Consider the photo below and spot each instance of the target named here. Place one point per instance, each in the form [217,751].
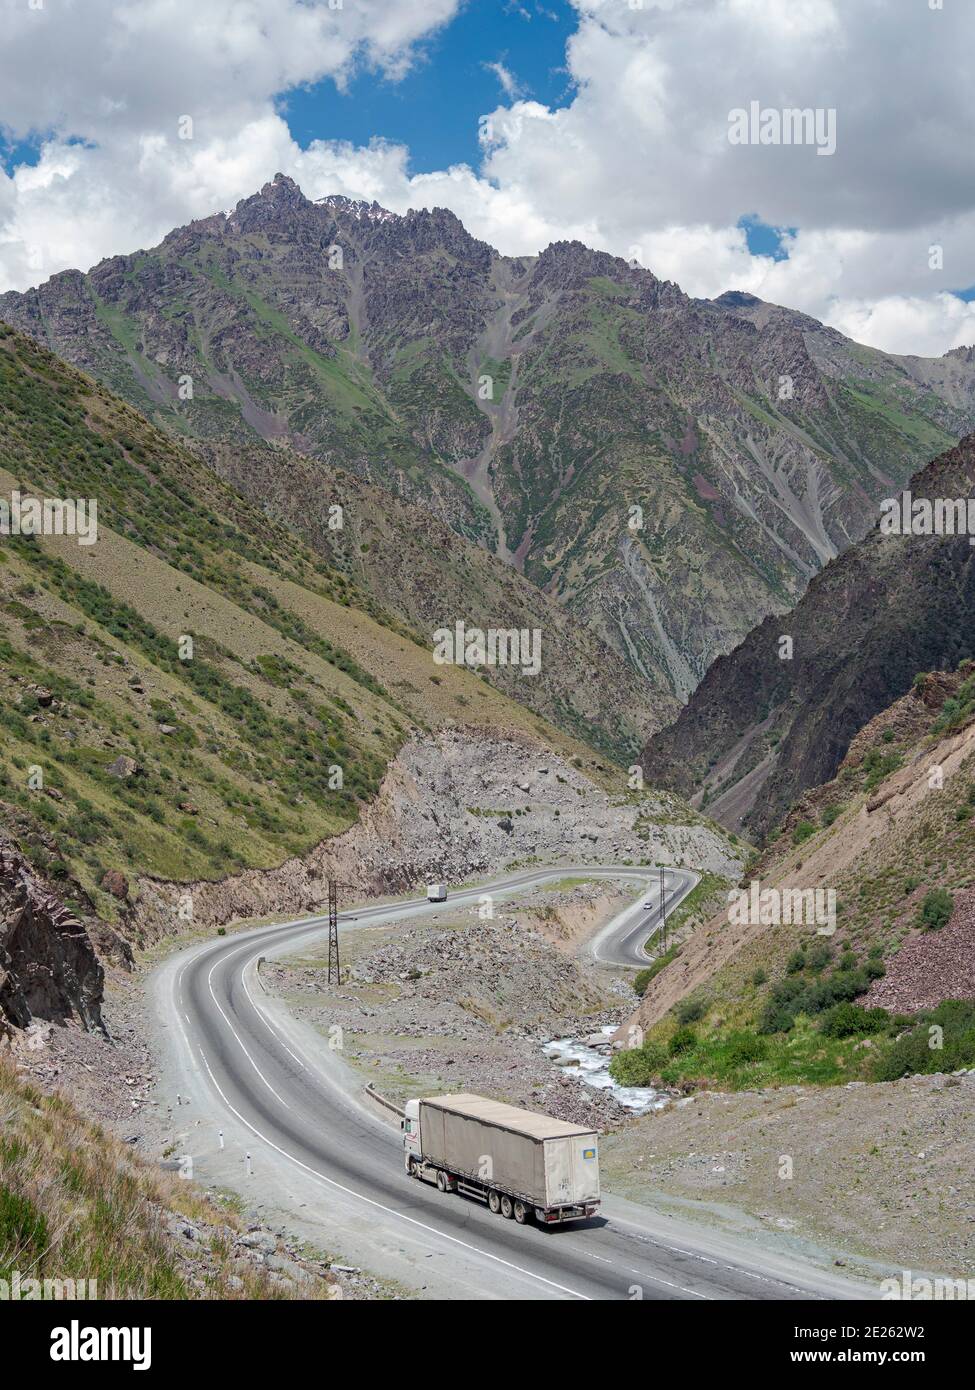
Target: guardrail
[373,1094]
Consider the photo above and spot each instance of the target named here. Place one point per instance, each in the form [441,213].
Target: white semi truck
[436,892]
[522,1164]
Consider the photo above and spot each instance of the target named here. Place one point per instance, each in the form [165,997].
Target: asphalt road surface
[272,1110]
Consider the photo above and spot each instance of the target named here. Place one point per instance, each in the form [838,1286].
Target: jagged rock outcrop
[48,966]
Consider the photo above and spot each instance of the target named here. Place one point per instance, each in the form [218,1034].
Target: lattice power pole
[333,932]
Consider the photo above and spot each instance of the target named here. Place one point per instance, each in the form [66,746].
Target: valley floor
[461,1004]
[874,1178]
[879,1174]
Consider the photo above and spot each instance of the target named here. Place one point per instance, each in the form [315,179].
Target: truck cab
[410,1125]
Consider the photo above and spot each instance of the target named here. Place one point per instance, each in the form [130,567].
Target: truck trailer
[436,892]
[522,1164]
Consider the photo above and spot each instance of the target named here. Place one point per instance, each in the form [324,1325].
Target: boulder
[48,965]
[115,882]
[124,767]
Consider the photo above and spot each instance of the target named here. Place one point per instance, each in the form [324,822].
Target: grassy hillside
[259,740]
[892,993]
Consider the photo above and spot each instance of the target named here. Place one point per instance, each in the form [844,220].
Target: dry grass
[76,1203]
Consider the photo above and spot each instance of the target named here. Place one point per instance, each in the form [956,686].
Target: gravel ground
[110,1082]
[882,1171]
[465,1004]
[931,965]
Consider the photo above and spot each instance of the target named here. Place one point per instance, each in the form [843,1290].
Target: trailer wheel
[521,1213]
[443,1182]
[507,1207]
[494,1202]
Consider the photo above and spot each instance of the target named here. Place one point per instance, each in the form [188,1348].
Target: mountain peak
[281,181]
[281,195]
[738,299]
[358,208]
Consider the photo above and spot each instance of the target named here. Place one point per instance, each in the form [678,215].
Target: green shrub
[852,1020]
[682,1041]
[638,1066]
[818,956]
[936,909]
[643,978]
[802,832]
[776,1018]
[742,1048]
[952,1024]
[877,766]
[692,1009]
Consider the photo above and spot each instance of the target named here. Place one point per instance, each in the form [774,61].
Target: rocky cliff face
[762,728]
[453,806]
[48,965]
[670,470]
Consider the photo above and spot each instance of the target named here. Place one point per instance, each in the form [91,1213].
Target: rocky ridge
[530,403]
[762,729]
[49,968]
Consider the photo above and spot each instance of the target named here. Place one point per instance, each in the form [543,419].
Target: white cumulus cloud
[637,161]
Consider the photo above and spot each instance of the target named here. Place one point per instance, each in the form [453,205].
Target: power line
[333,932]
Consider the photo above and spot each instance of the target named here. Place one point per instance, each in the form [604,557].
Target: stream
[593,1070]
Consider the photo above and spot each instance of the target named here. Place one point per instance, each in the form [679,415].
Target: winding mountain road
[269,1108]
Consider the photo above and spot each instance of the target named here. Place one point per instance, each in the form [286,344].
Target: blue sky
[641,95]
[15,152]
[764,240]
[434,110]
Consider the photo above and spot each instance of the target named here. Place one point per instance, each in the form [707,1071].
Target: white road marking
[260,1014]
[389,1211]
[240,1041]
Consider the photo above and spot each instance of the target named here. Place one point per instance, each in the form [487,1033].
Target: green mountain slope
[530,404]
[892,836]
[126,748]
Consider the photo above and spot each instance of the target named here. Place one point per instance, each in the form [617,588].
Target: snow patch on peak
[357,207]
